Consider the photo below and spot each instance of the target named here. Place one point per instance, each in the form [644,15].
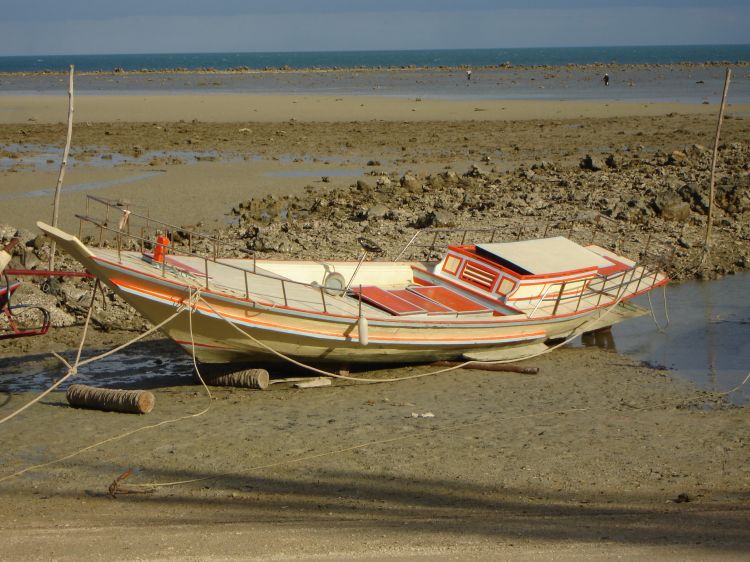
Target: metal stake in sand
[709,223]
[58,189]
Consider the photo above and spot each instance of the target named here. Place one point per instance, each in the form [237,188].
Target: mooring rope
[72,369]
[150,487]
[660,329]
[194,296]
[574,334]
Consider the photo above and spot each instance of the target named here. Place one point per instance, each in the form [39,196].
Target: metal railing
[438,239]
[598,286]
[122,234]
[441,238]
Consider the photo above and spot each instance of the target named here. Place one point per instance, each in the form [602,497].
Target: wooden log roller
[109,399]
[248,378]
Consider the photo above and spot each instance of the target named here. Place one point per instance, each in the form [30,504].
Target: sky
[47,27]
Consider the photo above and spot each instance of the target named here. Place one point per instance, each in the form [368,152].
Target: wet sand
[594,457]
[237,108]
[212,151]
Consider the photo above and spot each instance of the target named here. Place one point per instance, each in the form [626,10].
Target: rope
[150,487]
[194,295]
[660,329]
[73,369]
[574,334]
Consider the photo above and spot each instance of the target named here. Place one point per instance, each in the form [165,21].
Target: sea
[427,58]
[648,74]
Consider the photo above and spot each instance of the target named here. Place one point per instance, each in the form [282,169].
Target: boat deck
[270,289]
[236,278]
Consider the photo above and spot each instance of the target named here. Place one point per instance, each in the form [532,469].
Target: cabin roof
[543,256]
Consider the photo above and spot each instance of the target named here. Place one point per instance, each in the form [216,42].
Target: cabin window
[451,264]
[506,286]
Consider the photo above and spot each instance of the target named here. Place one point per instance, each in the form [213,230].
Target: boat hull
[220,332]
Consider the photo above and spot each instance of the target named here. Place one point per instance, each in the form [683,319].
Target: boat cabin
[525,271]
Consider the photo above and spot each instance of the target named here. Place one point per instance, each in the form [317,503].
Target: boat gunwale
[409,322]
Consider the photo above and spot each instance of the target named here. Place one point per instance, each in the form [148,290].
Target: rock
[6,233]
[677,158]
[613,161]
[383,181]
[73,294]
[439,218]
[474,172]
[363,185]
[411,183]
[29,259]
[543,165]
[377,212]
[691,194]
[670,206]
[450,176]
[733,197]
[592,163]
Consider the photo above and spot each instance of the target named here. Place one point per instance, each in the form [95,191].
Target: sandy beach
[596,457]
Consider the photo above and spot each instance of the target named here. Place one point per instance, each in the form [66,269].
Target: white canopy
[544,256]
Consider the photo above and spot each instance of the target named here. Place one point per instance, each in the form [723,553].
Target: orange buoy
[160,249]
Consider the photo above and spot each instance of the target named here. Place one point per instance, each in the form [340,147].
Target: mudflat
[594,457]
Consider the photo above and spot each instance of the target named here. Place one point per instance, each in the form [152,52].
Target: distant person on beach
[468,74]
[606,79]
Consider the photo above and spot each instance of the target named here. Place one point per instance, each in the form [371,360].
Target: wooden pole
[58,188]
[709,223]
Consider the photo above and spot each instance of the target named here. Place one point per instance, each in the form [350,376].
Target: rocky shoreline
[410,67]
[651,207]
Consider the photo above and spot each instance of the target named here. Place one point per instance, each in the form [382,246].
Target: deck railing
[124,237]
[608,289]
[438,239]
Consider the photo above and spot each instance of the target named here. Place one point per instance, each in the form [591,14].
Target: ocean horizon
[423,58]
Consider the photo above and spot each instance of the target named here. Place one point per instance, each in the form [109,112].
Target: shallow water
[693,84]
[706,342]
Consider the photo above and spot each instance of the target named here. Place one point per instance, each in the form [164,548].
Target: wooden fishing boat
[479,301]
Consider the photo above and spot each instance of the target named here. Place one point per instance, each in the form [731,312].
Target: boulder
[383,181]
[592,163]
[670,206]
[694,196]
[733,196]
[474,172]
[377,211]
[677,158]
[436,219]
[613,161]
[411,183]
